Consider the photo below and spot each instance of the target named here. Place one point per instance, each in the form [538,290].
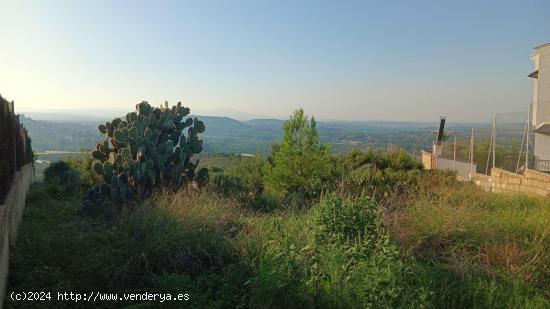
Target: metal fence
[15,146]
[506,142]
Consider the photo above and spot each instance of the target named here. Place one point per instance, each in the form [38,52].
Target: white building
[541,106]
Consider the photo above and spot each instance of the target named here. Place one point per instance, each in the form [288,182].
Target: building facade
[541,106]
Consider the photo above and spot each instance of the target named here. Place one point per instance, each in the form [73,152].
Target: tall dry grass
[467,230]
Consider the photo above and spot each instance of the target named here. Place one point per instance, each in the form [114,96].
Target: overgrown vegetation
[470,231]
[374,230]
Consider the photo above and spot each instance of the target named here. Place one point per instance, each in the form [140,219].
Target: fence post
[494,137]
[454,153]
[527,140]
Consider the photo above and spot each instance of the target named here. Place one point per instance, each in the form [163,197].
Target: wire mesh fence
[505,142]
[15,146]
[513,140]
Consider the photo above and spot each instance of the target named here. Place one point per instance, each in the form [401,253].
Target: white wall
[542,146]
[462,168]
[541,100]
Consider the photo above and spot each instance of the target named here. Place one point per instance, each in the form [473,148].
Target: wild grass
[468,230]
[58,250]
[449,247]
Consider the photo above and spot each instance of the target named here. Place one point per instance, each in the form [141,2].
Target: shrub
[84,165]
[346,221]
[63,177]
[227,185]
[382,176]
[243,180]
[318,261]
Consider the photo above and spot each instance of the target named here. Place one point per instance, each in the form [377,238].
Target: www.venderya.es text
[98,297]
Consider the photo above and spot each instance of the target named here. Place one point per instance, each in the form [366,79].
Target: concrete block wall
[11,212]
[427,160]
[483,181]
[501,181]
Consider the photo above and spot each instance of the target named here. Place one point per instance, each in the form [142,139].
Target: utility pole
[489,151]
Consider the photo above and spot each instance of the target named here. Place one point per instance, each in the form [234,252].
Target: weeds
[469,230]
[436,243]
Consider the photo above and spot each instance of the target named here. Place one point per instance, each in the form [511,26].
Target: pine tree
[301,162]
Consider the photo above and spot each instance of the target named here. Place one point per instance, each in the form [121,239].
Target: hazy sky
[356,60]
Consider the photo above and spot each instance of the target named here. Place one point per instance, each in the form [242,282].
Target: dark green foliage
[29,154]
[84,165]
[226,184]
[63,177]
[148,149]
[379,175]
[389,160]
[243,180]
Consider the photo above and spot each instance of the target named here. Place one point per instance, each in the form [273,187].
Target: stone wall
[11,212]
[501,181]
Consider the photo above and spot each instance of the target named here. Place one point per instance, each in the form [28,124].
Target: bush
[354,223]
[338,256]
[346,220]
[63,177]
[84,166]
[227,185]
[382,176]
[244,181]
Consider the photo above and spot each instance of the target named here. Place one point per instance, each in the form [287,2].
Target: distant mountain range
[225,134]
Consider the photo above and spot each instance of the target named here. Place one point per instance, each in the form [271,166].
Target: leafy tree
[300,163]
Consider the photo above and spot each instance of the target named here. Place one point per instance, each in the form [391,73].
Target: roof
[543,128]
[542,45]
[534,74]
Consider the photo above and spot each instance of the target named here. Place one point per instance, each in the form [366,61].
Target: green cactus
[102,128]
[98,155]
[107,169]
[98,168]
[148,148]
[126,153]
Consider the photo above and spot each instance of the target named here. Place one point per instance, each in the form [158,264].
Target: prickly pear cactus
[150,148]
